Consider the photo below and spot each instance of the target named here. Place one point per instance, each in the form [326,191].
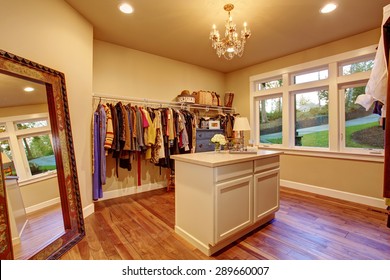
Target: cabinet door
[233,207]
[265,193]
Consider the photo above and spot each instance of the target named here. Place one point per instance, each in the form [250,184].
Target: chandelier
[231,44]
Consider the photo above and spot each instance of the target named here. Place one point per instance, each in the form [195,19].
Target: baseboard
[42,205]
[357,198]
[88,210]
[132,190]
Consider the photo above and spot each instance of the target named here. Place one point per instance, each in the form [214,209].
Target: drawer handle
[200,135]
[200,145]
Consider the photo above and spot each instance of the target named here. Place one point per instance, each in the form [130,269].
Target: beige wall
[23,110]
[357,177]
[51,33]
[40,192]
[119,71]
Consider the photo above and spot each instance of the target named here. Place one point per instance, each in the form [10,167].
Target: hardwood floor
[42,227]
[307,226]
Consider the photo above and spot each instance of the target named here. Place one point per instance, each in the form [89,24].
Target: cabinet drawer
[266,164]
[207,134]
[204,146]
[233,170]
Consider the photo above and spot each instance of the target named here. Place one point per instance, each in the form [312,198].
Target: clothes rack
[161,103]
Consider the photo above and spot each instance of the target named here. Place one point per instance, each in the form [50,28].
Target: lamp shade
[241,124]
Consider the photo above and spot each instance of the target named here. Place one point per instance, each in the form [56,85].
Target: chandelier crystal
[231,44]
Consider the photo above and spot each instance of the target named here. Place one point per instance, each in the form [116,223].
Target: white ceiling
[179,29]
[12,93]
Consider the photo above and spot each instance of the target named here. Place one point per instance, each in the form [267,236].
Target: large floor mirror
[40,207]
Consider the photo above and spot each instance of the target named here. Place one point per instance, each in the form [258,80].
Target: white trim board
[42,205]
[352,197]
[132,190]
[88,210]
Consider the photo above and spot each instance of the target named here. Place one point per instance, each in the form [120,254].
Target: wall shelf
[161,103]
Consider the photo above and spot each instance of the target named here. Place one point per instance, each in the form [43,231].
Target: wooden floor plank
[41,228]
[307,226]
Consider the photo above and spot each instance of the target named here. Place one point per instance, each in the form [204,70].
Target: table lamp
[241,124]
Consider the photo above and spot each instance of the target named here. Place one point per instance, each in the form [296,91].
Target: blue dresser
[203,137]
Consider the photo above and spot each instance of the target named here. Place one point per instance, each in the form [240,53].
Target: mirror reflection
[29,165]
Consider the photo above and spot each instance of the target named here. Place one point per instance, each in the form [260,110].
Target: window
[310,77]
[362,128]
[270,83]
[32,124]
[356,66]
[271,120]
[39,153]
[311,119]
[26,142]
[319,111]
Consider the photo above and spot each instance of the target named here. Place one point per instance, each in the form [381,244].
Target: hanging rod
[160,103]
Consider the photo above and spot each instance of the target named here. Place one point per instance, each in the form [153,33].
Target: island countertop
[221,196]
[215,159]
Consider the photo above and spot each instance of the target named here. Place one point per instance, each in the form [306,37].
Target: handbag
[228,99]
[204,97]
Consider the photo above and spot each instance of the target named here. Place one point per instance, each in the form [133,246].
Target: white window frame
[334,83]
[14,137]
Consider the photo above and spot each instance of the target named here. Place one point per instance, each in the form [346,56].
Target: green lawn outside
[320,139]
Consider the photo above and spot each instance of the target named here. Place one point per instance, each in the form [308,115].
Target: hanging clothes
[109,129]
[158,146]
[125,153]
[376,88]
[127,133]
[99,155]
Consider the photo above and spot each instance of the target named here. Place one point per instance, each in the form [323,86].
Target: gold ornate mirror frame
[72,211]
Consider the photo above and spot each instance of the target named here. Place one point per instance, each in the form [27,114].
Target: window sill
[373,157]
[38,178]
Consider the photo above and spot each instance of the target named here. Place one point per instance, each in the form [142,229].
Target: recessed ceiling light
[28,89]
[126,8]
[328,8]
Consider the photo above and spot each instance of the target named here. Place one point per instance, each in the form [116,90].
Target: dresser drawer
[203,137]
[266,164]
[204,146]
[234,170]
[207,134]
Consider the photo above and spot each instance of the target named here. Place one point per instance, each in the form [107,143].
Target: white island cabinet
[219,197]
